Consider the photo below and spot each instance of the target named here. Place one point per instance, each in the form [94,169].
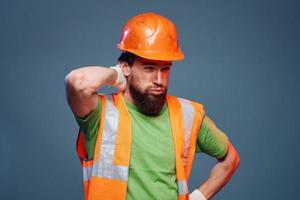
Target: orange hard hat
[151,36]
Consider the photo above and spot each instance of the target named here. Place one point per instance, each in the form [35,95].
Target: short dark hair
[127,57]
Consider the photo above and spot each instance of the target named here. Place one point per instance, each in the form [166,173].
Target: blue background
[242,62]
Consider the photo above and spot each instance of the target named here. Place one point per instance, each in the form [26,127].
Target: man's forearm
[221,173]
[90,79]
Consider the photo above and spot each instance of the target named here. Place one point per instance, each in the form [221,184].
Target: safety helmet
[151,36]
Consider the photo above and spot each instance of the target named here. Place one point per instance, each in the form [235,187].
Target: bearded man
[140,143]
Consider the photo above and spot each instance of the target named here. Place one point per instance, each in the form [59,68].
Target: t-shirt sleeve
[211,140]
[89,126]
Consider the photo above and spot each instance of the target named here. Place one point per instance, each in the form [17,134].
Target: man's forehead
[145,61]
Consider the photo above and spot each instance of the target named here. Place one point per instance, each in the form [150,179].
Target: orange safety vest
[105,176]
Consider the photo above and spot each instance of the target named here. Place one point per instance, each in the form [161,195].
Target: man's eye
[149,68]
[165,69]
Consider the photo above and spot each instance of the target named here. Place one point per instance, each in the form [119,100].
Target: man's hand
[121,81]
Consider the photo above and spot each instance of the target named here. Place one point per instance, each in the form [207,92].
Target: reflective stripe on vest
[87,173]
[182,187]
[188,112]
[104,167]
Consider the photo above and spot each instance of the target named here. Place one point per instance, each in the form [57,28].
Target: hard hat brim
[156,55]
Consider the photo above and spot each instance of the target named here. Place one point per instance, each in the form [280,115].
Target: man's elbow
[236,157]
[74,80]
[232,159]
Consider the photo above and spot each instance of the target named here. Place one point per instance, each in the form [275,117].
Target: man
[140,143]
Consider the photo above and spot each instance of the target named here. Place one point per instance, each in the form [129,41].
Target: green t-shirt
[152,163]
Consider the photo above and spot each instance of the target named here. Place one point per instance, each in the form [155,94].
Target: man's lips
[157,91]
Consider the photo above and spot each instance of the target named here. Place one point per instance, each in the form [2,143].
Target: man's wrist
[116,70]
[197,195]
[120,81]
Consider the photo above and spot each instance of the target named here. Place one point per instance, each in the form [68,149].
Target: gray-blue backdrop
[242,62]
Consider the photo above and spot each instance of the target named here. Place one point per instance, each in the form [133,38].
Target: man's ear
[126,69]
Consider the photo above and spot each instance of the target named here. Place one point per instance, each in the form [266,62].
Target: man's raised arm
[82,85]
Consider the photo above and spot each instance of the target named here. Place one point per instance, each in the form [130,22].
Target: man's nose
[158,77]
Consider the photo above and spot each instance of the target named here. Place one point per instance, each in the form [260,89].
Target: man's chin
[152,104]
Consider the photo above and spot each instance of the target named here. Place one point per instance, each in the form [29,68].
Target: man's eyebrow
[154,63]
[149,63]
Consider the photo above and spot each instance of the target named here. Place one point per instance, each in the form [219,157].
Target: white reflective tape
[182,187]
[110,130]
[87,172]
[188,111]
[104,167]
[107,170]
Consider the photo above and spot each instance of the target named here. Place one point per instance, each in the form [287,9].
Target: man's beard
[147,103]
